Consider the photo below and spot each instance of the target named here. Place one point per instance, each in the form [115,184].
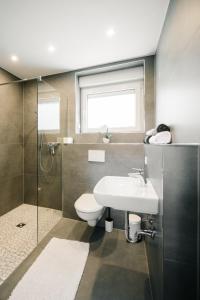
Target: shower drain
[20,225]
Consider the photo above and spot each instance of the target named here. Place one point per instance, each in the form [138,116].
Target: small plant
[107,134]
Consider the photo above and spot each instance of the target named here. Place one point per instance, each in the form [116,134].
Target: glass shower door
[49,159]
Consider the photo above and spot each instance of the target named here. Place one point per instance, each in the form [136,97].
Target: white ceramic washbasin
[126,193]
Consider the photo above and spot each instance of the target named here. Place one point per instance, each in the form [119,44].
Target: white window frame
[136,85]
[49,98]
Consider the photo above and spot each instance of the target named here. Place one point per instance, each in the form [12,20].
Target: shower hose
[42,167]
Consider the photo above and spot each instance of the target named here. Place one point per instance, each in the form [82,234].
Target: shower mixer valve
[52,147]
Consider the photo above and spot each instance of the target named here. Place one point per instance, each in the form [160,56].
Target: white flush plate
[96,155]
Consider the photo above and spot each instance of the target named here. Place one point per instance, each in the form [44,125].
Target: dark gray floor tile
[115,269]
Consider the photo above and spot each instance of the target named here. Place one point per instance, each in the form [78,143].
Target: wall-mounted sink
[126,193]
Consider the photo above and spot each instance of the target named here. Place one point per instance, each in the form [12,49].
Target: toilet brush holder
[109,225]
[108,221]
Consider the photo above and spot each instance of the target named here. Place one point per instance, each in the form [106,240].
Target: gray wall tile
[155,247]
[11,160]
[30,158]
[11,193]
[11,143]
[30,91]
[50,192]
[179,282]
[178,71]
[30,111]
[30,189]
[173,254]
[180,203]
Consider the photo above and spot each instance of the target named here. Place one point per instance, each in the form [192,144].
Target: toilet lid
[87,203]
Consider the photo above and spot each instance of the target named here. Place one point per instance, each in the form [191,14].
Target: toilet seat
[87,203]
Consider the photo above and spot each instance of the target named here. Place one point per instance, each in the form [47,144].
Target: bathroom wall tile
[30,127]
[11,109]
[11,160]
[30,158]
[30,90]
[50,191]
[11,128]
[11,143]
[149,93]
[178,71]
[30,189]
[95,138]
[180,205]
[154,155]
[180,280]
[50,137]
[175,180]
[30,111]
[11,98]
[30,142]
[11,193]
[155,247]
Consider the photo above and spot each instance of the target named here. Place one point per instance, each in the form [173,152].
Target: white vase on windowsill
[106,140]
[107,136]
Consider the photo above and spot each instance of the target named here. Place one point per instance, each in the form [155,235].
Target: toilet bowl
[88,209]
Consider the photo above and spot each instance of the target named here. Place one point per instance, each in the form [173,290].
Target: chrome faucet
[141,172]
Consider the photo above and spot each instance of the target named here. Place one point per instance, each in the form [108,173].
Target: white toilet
[88,209]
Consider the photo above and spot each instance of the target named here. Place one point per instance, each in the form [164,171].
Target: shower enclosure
[30,167]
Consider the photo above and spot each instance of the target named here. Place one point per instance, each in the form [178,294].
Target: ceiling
[77,30]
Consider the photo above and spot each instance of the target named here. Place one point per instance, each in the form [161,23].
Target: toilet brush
[109,221]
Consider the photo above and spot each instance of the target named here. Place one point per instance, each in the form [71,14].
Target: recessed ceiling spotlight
[14,58]
[51,48]
[110,32]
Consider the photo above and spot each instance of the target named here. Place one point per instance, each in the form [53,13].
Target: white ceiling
[77,29]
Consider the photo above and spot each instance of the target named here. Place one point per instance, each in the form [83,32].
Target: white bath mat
[56,273]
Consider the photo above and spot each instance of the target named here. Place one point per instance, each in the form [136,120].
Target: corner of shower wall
[11,143]
[30,94]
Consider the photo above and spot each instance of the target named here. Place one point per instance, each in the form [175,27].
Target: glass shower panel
[18,172]
[49,159]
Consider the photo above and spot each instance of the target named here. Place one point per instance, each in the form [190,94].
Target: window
[49,114]
[100,109]
[112,99]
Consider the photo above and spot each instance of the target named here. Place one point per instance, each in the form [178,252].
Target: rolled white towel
[152,131]
[163,137]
